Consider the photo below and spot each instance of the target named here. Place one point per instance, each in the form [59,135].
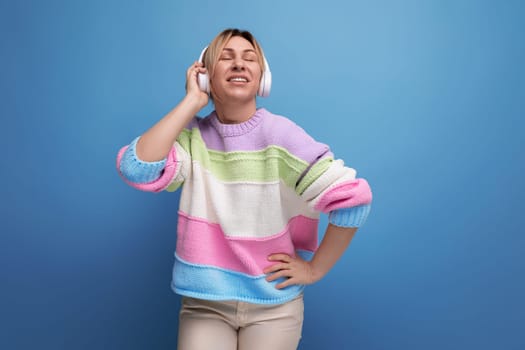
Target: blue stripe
[213,283]
[350,217]
[139,171]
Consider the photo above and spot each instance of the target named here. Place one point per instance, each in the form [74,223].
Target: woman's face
[237,74]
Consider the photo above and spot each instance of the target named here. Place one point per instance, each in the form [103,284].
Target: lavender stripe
[262,130]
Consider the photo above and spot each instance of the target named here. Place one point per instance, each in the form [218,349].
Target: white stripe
[346,177]
[247,210]
[334,175]
[184,158]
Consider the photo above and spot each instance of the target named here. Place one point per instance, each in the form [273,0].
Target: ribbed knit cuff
[349,217]
[139,171]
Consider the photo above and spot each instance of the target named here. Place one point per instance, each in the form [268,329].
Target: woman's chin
[237,97]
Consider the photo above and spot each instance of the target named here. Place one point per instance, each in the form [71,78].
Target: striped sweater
[248,190]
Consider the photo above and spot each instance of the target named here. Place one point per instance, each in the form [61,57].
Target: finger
[195,67]
[288,282]
[279,274]
[191,76]
[192,67]
[277,267]
[281,257]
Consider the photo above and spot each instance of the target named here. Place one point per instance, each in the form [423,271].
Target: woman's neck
[235,113]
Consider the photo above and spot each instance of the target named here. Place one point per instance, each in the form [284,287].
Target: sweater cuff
[349,217]
[137,170]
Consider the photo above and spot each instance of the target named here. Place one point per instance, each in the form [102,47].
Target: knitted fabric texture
[248,190]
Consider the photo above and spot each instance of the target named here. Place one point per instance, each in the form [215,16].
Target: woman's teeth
[239,79]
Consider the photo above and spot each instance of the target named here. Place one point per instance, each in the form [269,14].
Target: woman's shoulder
[284,132]
[282,127]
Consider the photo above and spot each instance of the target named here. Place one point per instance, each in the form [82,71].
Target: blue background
[424,98]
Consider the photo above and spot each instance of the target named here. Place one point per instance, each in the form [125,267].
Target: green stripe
[174,186]
[184,138]
[270,164]
[313,174]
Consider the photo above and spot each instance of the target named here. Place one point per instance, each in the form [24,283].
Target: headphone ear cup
[265,85]
[204,82]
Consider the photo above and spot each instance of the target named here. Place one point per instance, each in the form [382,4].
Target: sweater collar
[228,130]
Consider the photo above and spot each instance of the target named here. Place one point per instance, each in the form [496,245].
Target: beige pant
[235,325]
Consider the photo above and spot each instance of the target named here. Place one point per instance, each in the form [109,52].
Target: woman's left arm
[299,271]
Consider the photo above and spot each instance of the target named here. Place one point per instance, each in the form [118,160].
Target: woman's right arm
[151,162]
[155,144]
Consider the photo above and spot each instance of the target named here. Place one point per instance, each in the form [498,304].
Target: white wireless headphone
[264,87]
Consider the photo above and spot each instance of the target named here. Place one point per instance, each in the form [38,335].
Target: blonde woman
[253,187]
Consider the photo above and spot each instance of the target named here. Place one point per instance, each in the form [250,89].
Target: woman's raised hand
[192,86]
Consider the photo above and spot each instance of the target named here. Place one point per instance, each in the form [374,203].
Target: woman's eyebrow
[232,50]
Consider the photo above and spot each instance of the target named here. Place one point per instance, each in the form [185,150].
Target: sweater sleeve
[136,170]
[328,185]
[166,174]
[331,187]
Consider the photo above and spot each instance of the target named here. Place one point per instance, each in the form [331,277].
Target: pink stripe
[201,242]
[163,181]
[345,195]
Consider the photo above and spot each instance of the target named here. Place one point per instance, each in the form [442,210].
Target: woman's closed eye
[250,57]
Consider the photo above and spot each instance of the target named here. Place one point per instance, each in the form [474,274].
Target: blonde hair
[214,50]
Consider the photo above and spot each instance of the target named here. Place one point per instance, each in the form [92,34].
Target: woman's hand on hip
[295,269]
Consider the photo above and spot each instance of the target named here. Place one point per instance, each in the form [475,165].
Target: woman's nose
[238,64]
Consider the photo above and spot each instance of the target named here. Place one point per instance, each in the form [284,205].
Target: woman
[253,185]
